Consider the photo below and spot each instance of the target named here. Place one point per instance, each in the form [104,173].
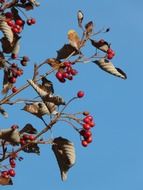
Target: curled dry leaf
[11,135]
[80,17]
[34,2]
[107,66]
[66,51]
[54,63]
[3,112]
[74,39]
[6,84]
[89,28]
[57,100]
[104,46]
[39,109]
[5,181]
[6,29]
[65,154]
[28,128]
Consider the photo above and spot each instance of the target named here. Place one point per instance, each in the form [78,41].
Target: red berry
[73,72]
[13,165]
[14,89]
[8,15]
[33,21]
[11,172]
[14,56]
[26,137]
[90,117]
[31,137]
[92,124]
[14,65]
[14,127]
[59,75]
[19,22]
[84,143]
[80,94]
[87,134]
[67,64]
[68,70]
[62,80]
[12,79]
[29,22]
[89,139]
[86,126]
[110,56]
[10,23]
[5,174]
[65,75]
[22,141]
[109,51]
[18,72]
[86,120]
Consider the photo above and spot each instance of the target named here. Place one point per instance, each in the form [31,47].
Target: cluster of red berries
[8,173]
[26,138]
[88,123]
[14,72]
[110,53]
[67,72]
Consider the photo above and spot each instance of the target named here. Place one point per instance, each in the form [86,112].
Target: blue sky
[114,160]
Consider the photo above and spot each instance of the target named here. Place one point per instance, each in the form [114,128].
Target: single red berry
[11,172]
[84,143]
[5,174]
[26,137]
[86,126]
[59,75]
[89,139]
[19,22]
[9,15]
[86,120]
[12,79]
[29,22]
[10,23]
[109,51]
[67,63]
[33,21]
[87,134]
[74,72]
[22,141]
[65,75]
[14,56]
[68,70]
[80,94]
[110,56]
[31,137]
[92,124]
[18,72]
[13,165]
[90,117]
[14,89]
[62,80]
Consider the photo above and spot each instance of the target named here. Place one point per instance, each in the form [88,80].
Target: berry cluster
[26,138]
[8,173]
[13,72]
[66,72]
[110,53]
[88,123]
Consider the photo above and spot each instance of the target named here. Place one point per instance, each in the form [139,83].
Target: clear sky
[114,160]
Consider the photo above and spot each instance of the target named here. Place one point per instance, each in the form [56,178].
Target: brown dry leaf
[28,128]
[57,100]
[107,66]
[6,29]
[10,135]
[89,28]
[53,63]
[34,2]
[2,60]
[32,148]
[16,46]
[66,51]
[74,39]
[3,112]
[65,154]
[104,47]
[5,181]
[6,84]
